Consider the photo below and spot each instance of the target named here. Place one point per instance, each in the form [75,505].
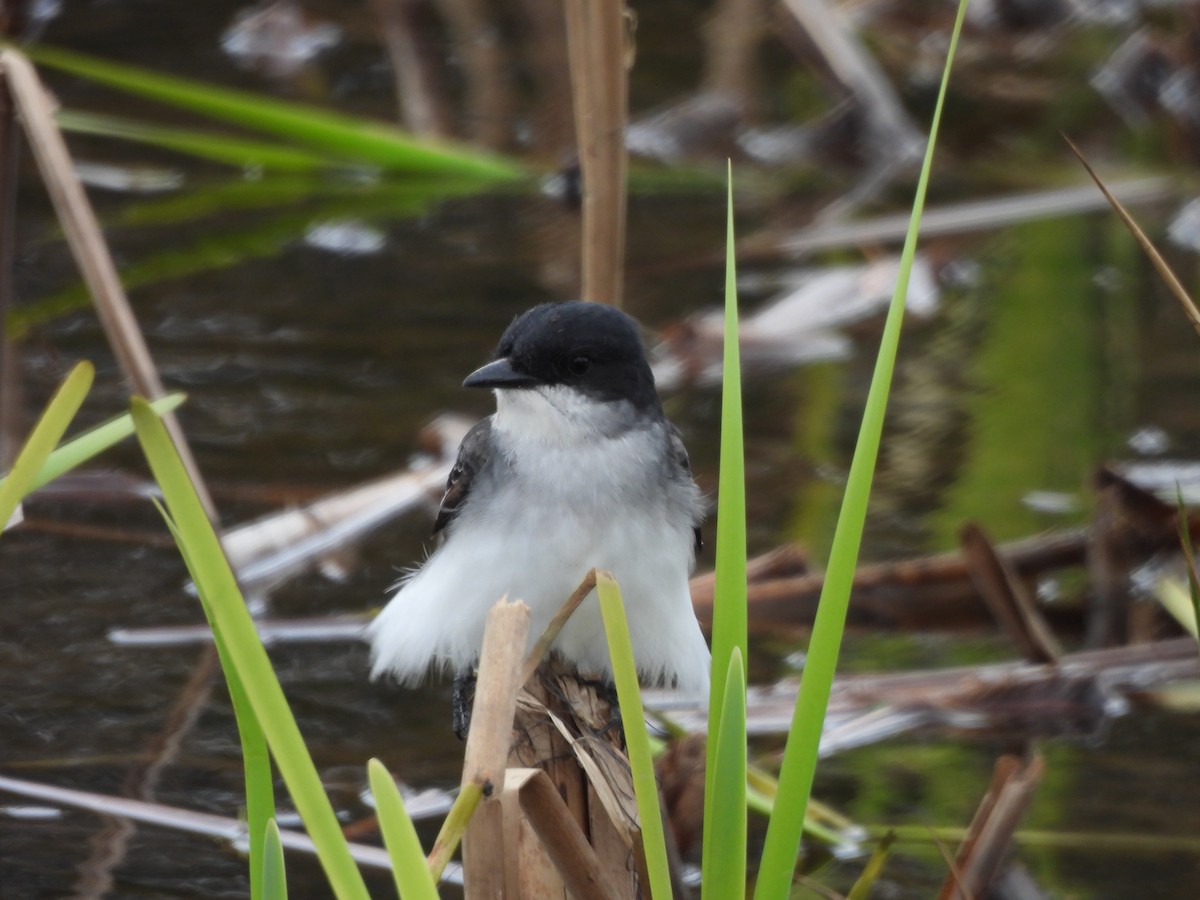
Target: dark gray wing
[473,454]
[680,455]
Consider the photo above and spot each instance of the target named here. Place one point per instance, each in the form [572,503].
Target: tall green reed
[724,862]
[782,843]
[244,660]
[266,726]
[725,769]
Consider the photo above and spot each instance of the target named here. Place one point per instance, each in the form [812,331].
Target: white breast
[579,493]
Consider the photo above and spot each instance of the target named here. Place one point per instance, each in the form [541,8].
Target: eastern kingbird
[577,468]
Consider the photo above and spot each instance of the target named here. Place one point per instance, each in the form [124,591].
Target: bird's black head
[590,347]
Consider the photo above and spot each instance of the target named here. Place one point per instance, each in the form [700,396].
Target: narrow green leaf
[354,139]
[46,434]
[219,148]
[629,697]
[274,876]
[95,441]
[454,826]
[256,757]
[729,602]
[782,843]
[213,577]
[256,768]
[413,881]
[820,822]
[724,873]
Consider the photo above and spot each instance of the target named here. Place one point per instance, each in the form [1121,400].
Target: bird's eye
[579,365]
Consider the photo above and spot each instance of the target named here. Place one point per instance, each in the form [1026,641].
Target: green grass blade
[210,569]
[729,613]
[724,872]
[729,605]
[453,828]
[820,822]
[219,148]
[782,843]
[274,877]
[256,757]
[413,881]
[95,441]
[256,768]
[46,434]
[620,649]
[353,139]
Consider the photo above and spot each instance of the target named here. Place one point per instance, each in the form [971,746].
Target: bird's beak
[499,374]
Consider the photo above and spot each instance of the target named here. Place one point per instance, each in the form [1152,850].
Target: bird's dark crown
[591,347]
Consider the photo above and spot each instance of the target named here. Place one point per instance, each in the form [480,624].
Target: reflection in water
[110,844]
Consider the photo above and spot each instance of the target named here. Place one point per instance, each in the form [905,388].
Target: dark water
[309,371]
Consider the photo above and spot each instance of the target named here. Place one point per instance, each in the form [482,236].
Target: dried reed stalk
[564,728]
[986,845]
[1008,597]
[485,68]
[566,821]
[420,95]
[487,746]
[597,44]
[11,420]
[539,810]
[88,246]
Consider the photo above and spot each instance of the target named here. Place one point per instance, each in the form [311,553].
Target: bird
[578,468]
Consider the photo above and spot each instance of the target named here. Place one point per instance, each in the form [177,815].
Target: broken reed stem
[991,832]
[88,247]
[490,736]
[578,864]
[548,637]
[1008,597]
